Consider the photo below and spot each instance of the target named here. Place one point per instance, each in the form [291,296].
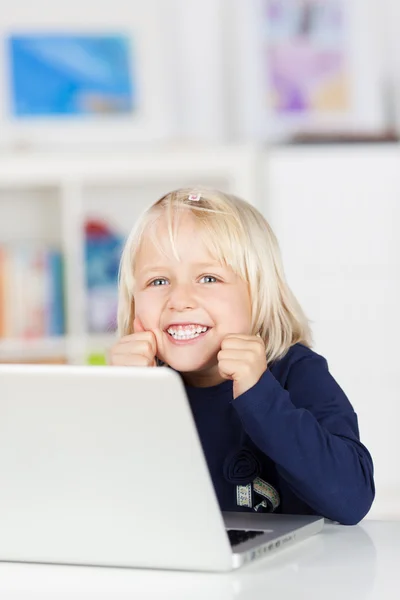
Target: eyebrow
[150,268]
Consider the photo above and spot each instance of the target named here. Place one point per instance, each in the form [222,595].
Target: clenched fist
[139,349]
[242,358]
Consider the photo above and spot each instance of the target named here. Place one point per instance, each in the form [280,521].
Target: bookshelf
[46,199]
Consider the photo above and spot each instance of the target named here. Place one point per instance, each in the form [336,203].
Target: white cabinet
[336,213]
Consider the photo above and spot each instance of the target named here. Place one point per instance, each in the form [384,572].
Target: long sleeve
[309,429]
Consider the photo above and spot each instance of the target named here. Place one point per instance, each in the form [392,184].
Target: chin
[189,365]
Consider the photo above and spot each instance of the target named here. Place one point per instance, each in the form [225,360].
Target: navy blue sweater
[296,430]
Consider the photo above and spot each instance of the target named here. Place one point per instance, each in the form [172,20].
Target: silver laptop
[103,466]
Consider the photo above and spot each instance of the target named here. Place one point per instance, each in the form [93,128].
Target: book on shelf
[31,291]
[103,247]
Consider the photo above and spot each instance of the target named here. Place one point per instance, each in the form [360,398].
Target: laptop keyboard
[238,536]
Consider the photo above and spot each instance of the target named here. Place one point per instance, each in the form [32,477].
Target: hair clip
[194,197]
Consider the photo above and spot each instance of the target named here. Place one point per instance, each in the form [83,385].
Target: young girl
[202,290]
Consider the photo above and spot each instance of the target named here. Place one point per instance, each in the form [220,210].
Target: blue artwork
[66,75]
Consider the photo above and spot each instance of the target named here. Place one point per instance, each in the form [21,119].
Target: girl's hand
[139,349]
[242,358]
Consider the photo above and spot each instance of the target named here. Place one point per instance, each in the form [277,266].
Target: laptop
[103,466]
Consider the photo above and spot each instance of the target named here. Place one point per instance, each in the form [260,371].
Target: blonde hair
[238,236]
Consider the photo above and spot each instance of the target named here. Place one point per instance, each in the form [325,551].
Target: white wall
[336,213]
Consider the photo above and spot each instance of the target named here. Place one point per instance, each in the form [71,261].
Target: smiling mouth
[183,336]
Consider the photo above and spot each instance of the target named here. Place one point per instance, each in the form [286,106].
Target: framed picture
[71,81]
[71,75]
[306,67]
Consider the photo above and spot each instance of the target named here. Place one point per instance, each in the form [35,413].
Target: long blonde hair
[237,235]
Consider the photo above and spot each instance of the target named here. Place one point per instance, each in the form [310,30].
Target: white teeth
[186,333]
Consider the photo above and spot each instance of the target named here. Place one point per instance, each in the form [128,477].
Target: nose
[181,297]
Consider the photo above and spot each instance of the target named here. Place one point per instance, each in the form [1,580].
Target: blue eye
[161,281]
[154,283]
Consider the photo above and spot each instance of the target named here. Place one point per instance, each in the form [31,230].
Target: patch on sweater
[244,495]
[267,491]
[262,504]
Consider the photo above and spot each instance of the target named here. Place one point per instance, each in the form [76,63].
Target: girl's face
[178,300]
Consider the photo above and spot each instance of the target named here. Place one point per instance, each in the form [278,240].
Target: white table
[338,563]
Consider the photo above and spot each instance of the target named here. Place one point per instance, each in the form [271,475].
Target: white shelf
[235,162]
[54,194]
[35,348]
[74,349]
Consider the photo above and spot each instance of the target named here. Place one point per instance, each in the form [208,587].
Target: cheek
[146,305]
[240,316]
[239,313]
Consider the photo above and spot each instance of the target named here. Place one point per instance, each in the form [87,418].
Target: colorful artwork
[55,75]
[306,51]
